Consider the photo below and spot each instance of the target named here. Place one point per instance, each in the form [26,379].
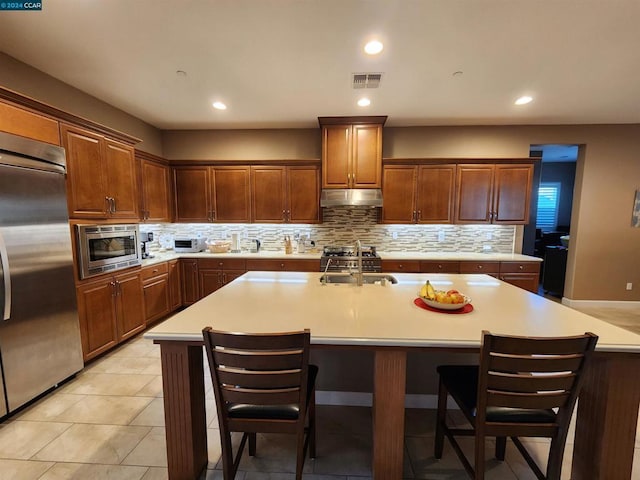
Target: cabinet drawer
[222,263]
[480,267]
[266,265]
[519,267]
[411,266]
[447,266]
[154,270]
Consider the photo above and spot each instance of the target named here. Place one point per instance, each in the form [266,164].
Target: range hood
[351,197]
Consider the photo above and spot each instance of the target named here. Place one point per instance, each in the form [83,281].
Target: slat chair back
[261,384]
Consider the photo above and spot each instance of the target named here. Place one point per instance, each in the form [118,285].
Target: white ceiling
[283,63]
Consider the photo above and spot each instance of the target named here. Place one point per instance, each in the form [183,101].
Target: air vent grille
[366,80]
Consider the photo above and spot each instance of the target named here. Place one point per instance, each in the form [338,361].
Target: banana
[428,291]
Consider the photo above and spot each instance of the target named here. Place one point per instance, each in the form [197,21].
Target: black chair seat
[462,381]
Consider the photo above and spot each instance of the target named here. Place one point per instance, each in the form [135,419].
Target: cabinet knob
[439,267]
[521,267]
[400,266]
[282,266]
[479,267]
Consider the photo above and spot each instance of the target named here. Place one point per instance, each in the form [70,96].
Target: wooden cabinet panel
[445,266]
[222,263]
[215,273]
[86,177]
[268,194]
[489,268]
[190,285]
[156,298]
[401,266]
[276,265]
[96,311]
[156,192]
[303,194]
[527,281]
[154,271]
[398,189]
[336,156]
[520,267]
[129,302]
[192,194]
[435,193]
[19,121]
[512,193]
[366,160]
[175,285]
[121,175]
[232,194]
[474,188]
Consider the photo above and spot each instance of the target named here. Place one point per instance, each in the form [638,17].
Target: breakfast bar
[382,317]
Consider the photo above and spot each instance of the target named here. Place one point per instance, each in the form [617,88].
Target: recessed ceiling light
[364,102]
[523,100]
[181,73]
[373,47]
[219,106]
[457,74]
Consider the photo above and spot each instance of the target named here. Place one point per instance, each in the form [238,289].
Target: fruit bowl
[445,306]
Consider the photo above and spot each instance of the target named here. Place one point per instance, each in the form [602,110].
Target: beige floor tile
[540,452]
[103,444]
[50,407]
[214,450]
[22,469]
[124,364]
[151,451]
[105,409]
[136,348]
[152,389]
[109,384]
[217,475]
[23,439]
[344,419]
[342,454]
[156,473]
[635,473]
[152,415]
[85,471]
[419,422]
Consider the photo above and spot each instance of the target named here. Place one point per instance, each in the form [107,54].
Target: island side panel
[184,409]
[390,369]
[607,419]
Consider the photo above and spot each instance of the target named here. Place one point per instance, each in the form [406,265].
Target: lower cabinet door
[209,280]
[129,299]
[96,311]
[189,275]
[175,286]
[156,298]
[528,281]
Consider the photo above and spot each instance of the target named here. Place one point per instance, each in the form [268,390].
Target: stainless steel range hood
[351,197]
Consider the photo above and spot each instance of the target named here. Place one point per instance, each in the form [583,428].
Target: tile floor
[108,424]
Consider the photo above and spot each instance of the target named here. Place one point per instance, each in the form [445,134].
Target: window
[548,203]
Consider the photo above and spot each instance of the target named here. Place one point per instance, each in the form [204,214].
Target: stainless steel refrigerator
[39,330]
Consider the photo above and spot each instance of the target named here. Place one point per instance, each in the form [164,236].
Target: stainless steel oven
[107,248]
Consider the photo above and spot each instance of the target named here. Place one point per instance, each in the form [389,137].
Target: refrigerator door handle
[6,274]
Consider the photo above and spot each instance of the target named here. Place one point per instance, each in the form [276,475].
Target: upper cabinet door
[156,204]
[474,187]
[398,190]
[122,184]
[86,177]
[336,156]
[303,194]
[232,194]
[512,194]
[366,160]
[268,194]
[192,194]
[435,193]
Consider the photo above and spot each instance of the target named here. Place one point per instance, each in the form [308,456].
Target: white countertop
[375,315]
[468,256]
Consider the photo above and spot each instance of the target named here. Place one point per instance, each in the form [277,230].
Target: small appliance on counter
[145,239]
[188,245]
[235,243]
[255,246]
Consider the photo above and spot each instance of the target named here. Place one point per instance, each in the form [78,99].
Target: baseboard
[363,399]
[599,303]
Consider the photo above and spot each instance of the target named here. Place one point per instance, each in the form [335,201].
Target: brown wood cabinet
[418,193]
[101,179]
[444,266]
[175,285]
[493,193]
[401,266]
[212,194]
[110,310]
[155,287]
[23,122]
[190,287]
[283,265]
[285,194]
[216,273]
[521,274]
[155,179]
[351,152]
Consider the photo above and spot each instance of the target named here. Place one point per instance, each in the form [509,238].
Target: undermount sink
[367,278]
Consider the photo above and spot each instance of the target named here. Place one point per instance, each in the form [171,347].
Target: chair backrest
[532,373]
[259,369]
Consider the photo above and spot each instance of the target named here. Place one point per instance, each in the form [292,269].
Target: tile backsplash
[342,226]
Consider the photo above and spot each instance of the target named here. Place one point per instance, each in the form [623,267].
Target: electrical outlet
[395,235]
[629,286]
[441,236]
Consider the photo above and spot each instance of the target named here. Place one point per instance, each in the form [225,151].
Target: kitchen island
[384,319]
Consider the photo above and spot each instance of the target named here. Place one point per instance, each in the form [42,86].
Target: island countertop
[383,315]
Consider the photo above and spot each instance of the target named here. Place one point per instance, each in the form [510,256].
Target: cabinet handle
[113,202]
[108,202]
[521,267]
[213,215]
[479,267]
[284,215]
[224,278]
[113,288]
[400,266]
[439,267]
[288,215]
[419,215]
[282,266]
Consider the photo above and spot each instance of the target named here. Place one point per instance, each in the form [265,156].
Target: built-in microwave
[107,248]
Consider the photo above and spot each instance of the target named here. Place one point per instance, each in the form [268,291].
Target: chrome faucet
[359,276]
[324,282]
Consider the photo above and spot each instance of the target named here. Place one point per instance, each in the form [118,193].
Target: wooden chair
[262,383]
[523,387]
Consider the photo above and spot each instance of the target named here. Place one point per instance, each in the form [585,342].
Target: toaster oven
[188,245]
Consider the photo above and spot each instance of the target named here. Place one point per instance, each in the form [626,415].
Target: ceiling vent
[366,80]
